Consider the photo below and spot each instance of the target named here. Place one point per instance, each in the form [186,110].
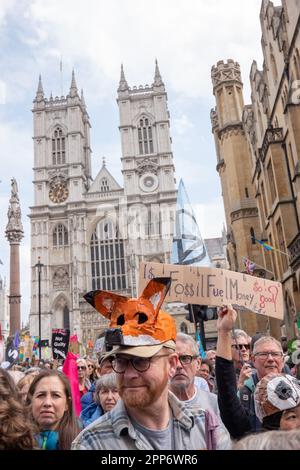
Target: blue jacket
[90,413]
[87,398]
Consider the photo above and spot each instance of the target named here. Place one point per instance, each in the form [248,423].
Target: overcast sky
[95,37]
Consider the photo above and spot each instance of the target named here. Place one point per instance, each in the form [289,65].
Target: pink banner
[70,370]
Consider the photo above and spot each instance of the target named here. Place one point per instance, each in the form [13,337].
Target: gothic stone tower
[148,169]
[62,174]
[234,168]
[14,233]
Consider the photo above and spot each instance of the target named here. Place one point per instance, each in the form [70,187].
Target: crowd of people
[158,395]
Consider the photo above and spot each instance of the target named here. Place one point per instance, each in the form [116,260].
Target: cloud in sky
[95,37]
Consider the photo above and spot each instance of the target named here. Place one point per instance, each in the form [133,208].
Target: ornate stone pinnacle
[123,85]
[14,229]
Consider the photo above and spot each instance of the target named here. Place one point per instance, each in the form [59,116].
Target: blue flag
[201,349]
[17,339]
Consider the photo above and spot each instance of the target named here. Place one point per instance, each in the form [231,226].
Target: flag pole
[61,75]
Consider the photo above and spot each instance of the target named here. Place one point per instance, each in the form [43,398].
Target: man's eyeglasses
[81,368]
[141,364]
[265,355]
[186,359]
[241,346]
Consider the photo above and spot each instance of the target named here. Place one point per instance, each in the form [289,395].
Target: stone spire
[157,77]
[103,162]
[123,85]
[14,233]
[40,92]
[73,88]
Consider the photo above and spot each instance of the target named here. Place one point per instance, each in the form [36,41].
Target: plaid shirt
[114,431]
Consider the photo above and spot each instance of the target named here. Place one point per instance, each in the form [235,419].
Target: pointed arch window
[60,236]
[145,136]
[107,258]
[66,318]
[58,147]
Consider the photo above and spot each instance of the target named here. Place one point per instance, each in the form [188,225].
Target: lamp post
[39,265]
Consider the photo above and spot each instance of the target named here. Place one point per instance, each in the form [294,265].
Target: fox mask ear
[103,301]
[156,291]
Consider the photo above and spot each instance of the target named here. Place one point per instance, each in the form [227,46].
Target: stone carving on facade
[224,72]
[249,124]
[148,165]
[214,119]
[61,278]
[14,229]
[272,136]
[57,177]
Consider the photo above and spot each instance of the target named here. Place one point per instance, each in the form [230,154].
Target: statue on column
[14,228]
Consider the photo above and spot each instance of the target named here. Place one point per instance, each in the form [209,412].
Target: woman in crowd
[105,397]
[91,370]
[16,430]
[205,372]
[83,380]
[50,403]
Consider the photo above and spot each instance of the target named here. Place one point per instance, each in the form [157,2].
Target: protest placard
[60,343]
[11,353]
[217,287]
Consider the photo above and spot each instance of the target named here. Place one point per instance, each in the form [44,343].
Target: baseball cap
[142,351]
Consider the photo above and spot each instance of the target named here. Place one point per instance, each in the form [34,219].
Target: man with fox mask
[147,417]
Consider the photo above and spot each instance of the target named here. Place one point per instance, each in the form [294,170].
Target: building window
[275,271]
[274,69]
[271,182]
[104,186]
[60,236]
[252,235]
[282,246]
[263,194]
[183,328]
[145,137]
[246,192]
[107,258]
[66,318]
[58,147]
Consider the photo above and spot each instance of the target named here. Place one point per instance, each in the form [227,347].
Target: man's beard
[143,397]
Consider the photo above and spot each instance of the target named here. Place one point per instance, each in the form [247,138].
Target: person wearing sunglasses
[240,348]
[83,381]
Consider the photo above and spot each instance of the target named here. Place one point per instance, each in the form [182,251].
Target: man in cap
[148,416]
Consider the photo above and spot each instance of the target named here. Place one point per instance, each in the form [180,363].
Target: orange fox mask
[141,320]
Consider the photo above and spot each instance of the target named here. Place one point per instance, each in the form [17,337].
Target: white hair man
[183,384]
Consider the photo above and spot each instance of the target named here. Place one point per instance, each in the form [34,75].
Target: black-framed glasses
[141,364]
[241,346]
[265,355]
[81,368]
[90,366]
[186,359]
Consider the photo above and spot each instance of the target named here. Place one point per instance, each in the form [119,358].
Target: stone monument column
[14,234]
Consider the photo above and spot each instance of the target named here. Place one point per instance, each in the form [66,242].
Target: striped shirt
[115,431]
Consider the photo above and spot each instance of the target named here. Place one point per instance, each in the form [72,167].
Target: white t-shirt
[201,384]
